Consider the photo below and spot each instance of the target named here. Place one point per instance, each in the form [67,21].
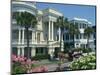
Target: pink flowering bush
[18,58]
[21,64]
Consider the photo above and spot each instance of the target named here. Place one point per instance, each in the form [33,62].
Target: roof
[82,19]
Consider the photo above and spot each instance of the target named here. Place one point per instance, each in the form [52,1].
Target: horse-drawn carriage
[70,55]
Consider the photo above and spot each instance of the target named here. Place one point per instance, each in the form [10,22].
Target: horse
[63,56]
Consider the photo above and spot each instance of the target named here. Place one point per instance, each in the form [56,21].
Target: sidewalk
[52,65]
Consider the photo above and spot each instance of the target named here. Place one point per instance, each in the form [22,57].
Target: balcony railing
[16,41]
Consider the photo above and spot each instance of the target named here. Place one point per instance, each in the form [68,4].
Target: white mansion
[45,37]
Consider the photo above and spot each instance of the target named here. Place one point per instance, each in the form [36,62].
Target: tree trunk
[60,37]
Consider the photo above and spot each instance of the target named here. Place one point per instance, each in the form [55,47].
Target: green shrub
[85,62]
[78,49]
[17,68]
[40,57]
[84,50]
[87,50]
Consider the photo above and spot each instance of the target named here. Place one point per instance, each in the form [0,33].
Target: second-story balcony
[15,42]
[79,40]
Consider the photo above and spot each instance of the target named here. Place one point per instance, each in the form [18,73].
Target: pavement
[52,65]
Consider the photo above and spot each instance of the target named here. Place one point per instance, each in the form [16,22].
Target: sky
[70,11]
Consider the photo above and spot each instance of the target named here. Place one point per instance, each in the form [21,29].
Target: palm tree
[61,24]
[73,30]
[88,31]
[26,20]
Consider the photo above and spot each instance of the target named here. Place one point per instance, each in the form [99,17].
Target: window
[77,44]
[79,25]
[76,24]
[39,50]
[77,36]
[21,34]
[14,34]
[84,25]
[14,15]
[14,50]
[20,51]
[67,36]
[42,50]
[84,36]
[71,37]
[45,37]
[81,36]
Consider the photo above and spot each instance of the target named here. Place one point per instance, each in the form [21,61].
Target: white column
[49,30]
[52,30]
[59,34]
[51,52]
[18,51]
[22,51]
[19,36]
[33,52]
[33,37]
[23,35]
[62,37]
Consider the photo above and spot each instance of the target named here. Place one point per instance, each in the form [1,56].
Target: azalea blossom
[27,64]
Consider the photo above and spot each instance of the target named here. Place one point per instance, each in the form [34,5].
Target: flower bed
[21,64]
[83,63]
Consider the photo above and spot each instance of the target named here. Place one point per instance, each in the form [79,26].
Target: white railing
[91,40]
[15,41]
[41,43]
